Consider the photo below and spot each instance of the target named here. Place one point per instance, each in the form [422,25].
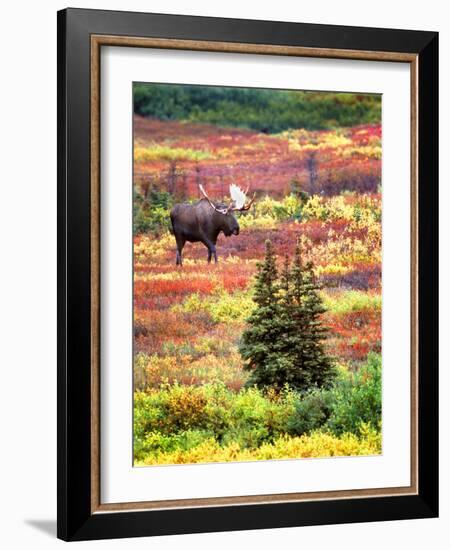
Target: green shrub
[285,209]
[256,417]
[177,418]
[249,416]
[152,213]
[353,401]
[356,399]
[156,443]
[311,412]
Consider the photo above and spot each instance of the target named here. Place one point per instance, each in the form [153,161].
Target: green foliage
[151,211]
[289,208]
[304,334]
[283,343]
[180,418]
[351,405]
[260,342]
[312,410]
[267,212]
[356,398]
[259,109]
[256,418]
[351,300]
[155,443]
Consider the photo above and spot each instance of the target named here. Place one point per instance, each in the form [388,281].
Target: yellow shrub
[368,151]
[314,445]
[351,300]
[224,307]
[162,152]
[150,248]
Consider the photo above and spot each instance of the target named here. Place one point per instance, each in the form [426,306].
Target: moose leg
[180,244]
[211,246]
[212,252]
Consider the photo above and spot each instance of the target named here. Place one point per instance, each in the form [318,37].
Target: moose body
[203,222]
[200,223]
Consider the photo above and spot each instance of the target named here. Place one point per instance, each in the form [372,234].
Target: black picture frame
[76,521]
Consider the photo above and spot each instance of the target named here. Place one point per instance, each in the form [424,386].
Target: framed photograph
[247,256]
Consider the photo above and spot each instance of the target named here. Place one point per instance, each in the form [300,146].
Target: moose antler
[239,198]
[221,210]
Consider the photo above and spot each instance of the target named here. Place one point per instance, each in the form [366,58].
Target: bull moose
[204,220]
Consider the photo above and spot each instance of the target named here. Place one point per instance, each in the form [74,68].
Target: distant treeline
[264,110]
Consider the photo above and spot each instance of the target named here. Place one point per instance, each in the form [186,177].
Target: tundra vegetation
[213,380]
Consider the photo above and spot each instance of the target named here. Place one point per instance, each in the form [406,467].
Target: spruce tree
[304,307]
[295,324]
[259,342]
[284,343]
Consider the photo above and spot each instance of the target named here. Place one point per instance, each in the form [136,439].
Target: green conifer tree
[259,343]
[312,367]
[284,343]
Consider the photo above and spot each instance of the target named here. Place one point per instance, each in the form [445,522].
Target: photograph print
[257,274]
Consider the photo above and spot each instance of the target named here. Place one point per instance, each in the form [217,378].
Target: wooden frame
[81,34]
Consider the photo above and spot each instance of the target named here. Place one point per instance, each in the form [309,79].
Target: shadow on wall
[46,526]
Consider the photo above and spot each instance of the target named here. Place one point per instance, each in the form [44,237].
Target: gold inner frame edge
[97,41]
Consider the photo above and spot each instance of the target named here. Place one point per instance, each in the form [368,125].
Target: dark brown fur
[199,222]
